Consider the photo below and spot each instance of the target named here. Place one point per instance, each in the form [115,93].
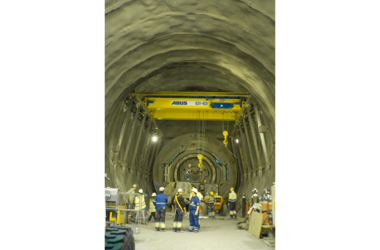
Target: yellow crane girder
[179,108]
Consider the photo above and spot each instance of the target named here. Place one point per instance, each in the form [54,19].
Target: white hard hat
[154,194]
[180,190]
[194,190]
[134,185]
[140,191]
[162,188]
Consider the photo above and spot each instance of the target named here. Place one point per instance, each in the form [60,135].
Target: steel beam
[136,149]
[155,152]
[118,145]
[264,146]
[193,94]
[240,168]
[249,145]
[253,132]
[146,141]
[131,133]
[243,147]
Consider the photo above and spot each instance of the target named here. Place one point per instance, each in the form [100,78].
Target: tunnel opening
[193,52]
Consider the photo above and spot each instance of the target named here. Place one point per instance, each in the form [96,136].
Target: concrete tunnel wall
[188,45]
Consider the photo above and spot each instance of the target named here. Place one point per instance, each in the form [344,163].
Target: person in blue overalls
[188,170]
[160,202]
[194,211]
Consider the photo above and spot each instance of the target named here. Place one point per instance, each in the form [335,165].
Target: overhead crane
[207,106]
[210,106]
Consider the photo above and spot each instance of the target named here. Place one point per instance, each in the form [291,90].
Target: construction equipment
[117,207]
[216,106]
[220,206]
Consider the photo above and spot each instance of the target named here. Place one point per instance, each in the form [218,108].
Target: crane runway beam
[190,108]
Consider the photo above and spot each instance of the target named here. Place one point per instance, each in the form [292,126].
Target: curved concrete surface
[187,45]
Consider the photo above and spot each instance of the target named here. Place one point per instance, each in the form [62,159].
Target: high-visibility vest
[232,197]
[152,207]
[140,202]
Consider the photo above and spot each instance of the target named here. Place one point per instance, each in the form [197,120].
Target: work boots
[157,229]
[174,229]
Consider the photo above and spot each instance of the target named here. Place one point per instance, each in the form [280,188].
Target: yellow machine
[212,106]
[220,205]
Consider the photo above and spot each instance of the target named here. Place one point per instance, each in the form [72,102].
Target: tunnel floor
[214,234]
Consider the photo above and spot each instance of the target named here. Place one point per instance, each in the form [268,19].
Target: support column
[262,136]
[249,146]
[118,145]
[131,133]
[136,149]
[252,126]
[243,148]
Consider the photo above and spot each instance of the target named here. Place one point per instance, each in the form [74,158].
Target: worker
[140,205]
[179,211]
[130,200]
[200,196]
[152,208]
[188,171]
[232,203]
[210,198]
[160,202]
[194,206]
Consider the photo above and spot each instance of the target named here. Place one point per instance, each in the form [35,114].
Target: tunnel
[154,46]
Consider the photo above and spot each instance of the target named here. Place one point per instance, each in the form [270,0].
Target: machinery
[117,209]
[220,206]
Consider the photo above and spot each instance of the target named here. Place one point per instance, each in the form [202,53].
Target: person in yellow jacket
[140,205]
[152,208]
[232,199]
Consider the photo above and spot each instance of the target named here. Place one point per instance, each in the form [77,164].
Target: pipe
[138,142]
[249,145]
[262,136]
[253,132]
[131,133]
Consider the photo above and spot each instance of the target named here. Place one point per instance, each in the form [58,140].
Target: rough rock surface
[174,45]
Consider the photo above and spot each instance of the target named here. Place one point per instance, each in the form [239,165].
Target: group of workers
[158,203]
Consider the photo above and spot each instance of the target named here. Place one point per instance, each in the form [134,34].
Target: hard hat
[162,188]
[212,193]
[134,185]
[180,190]
[232,188]
[194,190]
[154,194]
[141,191]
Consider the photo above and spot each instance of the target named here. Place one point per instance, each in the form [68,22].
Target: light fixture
[154,138]
[237,140]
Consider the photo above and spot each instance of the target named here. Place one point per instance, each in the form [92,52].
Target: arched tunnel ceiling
[186,44]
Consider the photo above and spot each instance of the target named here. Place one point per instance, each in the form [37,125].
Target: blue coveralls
[160,202]
[194,225]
